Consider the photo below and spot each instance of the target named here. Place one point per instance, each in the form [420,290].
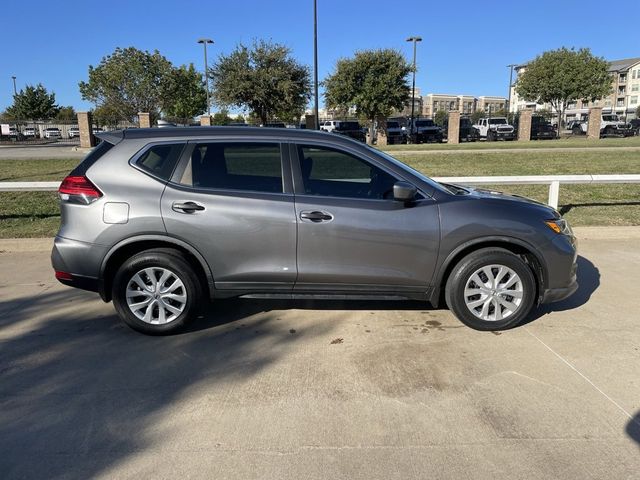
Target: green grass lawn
[36,214]
[567,142]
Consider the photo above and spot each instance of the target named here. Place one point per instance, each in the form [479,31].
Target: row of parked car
[489,129]
[49,133]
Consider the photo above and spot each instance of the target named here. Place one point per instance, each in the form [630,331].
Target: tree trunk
[371,131]
[381,132]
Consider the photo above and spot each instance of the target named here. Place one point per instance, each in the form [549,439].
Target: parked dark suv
[541,129]
[351,130]
[159,220]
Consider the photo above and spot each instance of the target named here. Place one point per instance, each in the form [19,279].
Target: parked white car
[52,132]
[495,128]
[30,132]
[74,131]
[329,125]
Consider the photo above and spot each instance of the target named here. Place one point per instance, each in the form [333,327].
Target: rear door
[352,236]
[232,202]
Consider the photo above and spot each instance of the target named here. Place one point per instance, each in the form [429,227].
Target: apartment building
[465,104]
[623,100]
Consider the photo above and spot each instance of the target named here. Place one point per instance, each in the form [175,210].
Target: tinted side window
[102,148]
[161,159]
[235,166]
[334,173]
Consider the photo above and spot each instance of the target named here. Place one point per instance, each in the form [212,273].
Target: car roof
[283,134]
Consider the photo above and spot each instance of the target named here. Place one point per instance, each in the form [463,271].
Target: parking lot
[348,390]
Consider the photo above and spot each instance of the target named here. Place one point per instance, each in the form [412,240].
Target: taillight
[78,189]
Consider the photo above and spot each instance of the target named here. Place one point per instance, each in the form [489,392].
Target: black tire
[461,274]
[172,261]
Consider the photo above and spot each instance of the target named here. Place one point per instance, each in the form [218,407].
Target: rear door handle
[187,207]
[316,216]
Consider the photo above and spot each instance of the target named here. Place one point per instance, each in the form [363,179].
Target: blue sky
[466,44]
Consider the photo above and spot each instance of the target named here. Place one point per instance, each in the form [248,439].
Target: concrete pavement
[341,390]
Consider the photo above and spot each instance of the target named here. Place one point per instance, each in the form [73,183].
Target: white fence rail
[553,181]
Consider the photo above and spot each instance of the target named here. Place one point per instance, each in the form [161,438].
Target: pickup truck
[495,128]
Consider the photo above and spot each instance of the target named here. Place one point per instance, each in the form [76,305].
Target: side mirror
[404,192]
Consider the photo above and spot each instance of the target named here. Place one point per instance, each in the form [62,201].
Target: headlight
[559,226]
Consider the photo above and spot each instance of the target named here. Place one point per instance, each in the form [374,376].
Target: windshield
[497,121]
[424,123]
[407,168]
[465,122]
[610,118]
[393,125]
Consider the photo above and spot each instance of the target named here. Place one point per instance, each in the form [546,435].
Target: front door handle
[316,216]
[187,207]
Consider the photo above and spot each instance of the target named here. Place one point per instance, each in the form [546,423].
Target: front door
[229,201]
[352,235]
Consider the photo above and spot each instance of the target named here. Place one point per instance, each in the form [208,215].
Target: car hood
[494,195]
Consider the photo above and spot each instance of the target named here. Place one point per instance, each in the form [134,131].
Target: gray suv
[160,220]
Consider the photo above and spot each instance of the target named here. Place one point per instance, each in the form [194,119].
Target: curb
[21,245]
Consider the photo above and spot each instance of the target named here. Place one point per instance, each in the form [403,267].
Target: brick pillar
[310,122]
[453,135]
[144,119]
[85,125]
[524,125]
[205,121]
[595,120]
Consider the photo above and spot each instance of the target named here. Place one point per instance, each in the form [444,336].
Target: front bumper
[505,135]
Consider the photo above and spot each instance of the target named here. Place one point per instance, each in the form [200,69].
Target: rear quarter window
[161,159]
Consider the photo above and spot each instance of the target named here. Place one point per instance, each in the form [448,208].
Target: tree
[33,103]
[440,117]
[264,78]
[183,94]
[221,118]
[561,76]
[374,81]
[477,115]
[127,82]
[105,115]
[66,114]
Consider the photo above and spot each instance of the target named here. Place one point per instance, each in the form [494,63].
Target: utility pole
[205,41]
[415,40]
[315,65]
[510,67]
[15,92]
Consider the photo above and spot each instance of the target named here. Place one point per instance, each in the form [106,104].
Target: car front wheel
[156,292]
[491,289]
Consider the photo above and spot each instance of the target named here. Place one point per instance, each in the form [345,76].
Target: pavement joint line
[583,376]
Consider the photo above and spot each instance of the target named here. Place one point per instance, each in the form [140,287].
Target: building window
[623,77]
[635,88]
[634,100]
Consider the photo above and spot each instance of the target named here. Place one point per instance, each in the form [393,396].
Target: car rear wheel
[156,292]
[491,289]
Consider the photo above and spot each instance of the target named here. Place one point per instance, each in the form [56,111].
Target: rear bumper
[80,260]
